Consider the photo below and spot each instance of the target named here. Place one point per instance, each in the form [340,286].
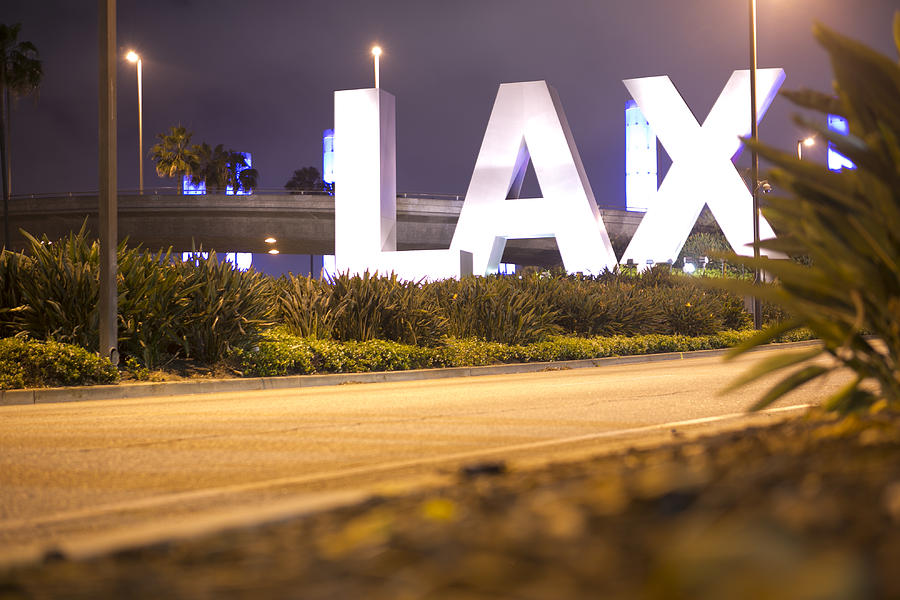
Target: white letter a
[528,122]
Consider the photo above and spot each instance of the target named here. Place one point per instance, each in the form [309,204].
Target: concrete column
[365,199]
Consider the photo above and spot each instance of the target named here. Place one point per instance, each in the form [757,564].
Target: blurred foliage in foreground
[848,223]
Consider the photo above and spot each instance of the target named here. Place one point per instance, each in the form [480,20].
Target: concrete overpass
[303,223]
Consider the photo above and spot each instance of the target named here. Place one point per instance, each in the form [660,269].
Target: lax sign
[527,123]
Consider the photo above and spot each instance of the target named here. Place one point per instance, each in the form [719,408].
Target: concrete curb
[212,386]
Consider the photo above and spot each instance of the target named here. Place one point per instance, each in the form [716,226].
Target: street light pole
[754,164]
[804,142]
[108,209]
[132,56]
[376,52]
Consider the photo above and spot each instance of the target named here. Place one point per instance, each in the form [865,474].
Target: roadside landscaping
[178,319]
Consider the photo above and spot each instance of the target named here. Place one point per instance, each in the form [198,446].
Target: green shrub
[59,290]
[361,307]
[30,363]
[690,311]
[385,355]
[304,306]
[509,310]
[773,313]
[497,309]
[135,368]
[369,307]
[658,276]
[563,348]
[154,307]
[201,309]
[472,352]
[281,353]
[414,318]
[611,307]
[225,308]
[704,243]
[362,304]
[733,314]
[10,295]
[277,353]
[712,244]
[330,356]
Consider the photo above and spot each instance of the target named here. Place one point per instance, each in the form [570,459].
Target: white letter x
[702,170]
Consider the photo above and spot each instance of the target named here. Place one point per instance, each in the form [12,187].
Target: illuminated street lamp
[133,57]
[808,142]
[376,52]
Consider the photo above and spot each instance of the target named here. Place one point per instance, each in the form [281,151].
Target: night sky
[260,76]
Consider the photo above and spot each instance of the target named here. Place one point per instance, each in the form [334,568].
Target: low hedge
[281,353]
[32,363]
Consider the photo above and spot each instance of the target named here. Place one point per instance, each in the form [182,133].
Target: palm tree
[20,75]
[210,165]
[173,155]
[238,173]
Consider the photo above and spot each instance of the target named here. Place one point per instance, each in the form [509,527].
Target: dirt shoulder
[807,508]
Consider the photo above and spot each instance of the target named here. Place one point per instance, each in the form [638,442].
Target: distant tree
[306,179]
[238,173]
[20,75]
[211,166]
[174,156]
[215,166]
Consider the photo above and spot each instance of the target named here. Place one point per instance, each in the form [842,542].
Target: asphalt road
[106,470]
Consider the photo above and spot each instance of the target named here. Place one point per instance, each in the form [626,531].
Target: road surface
[106,470]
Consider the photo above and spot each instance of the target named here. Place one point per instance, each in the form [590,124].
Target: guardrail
[176,191]
[173,191]
[161,191]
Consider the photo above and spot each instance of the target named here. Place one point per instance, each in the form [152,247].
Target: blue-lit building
[836,160]
[188,188]
[641,175]
[328,156]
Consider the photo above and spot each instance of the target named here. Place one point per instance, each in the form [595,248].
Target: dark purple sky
[259,76]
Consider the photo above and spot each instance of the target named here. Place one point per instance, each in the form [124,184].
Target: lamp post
[754,164]
[376,52]
[808,142]
[133,57]
[108,209]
